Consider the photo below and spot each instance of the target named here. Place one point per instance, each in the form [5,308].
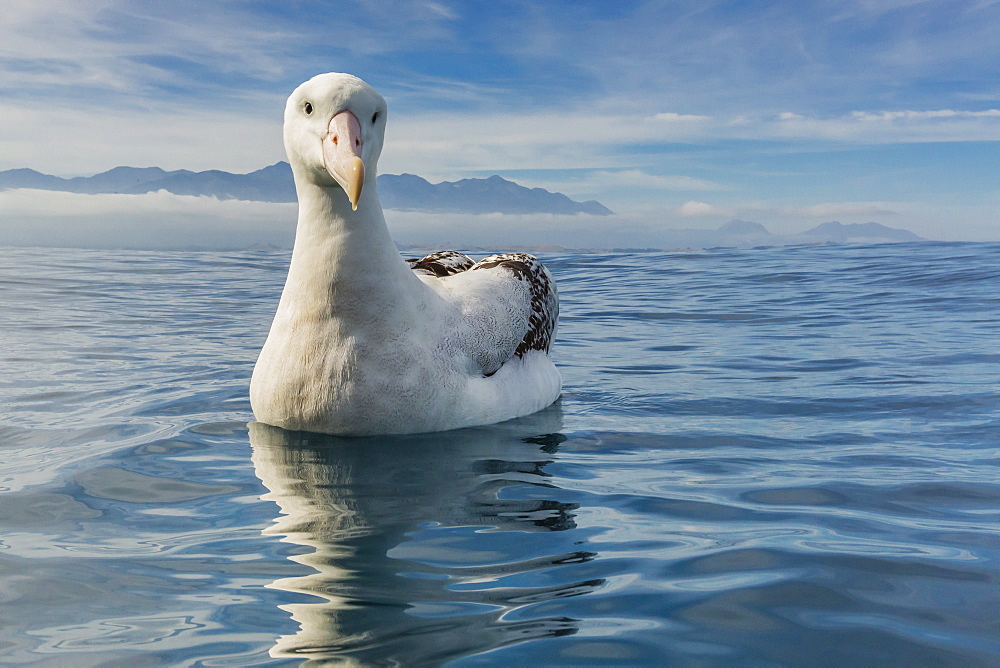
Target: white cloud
[435,145]
[122,54]
[838,209]
[87,140]
[30,202]
[444,145]
[621,183]
[923,115]
[636,178]
[671,117]
[440,10]
[883,127]
[68,50]
[152,220]
[695,209]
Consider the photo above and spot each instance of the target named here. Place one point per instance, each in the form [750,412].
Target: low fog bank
[165,221]
[153,221]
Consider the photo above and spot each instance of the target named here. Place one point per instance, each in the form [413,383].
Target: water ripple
[767,457]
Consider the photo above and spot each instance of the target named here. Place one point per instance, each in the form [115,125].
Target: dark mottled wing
[544,299]
[441,263]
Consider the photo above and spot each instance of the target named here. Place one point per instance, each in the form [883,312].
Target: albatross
[364,342]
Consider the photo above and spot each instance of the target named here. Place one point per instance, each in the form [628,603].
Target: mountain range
[746,233]
[115,224]
[274,184]
[740,234]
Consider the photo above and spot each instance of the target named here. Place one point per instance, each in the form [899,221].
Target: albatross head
[334,127]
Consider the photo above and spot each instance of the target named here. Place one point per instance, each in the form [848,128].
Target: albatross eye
[308,108]
[374,117]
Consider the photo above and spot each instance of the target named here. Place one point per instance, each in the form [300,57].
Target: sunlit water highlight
[764,457]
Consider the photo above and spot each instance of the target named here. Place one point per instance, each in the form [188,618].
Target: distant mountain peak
[493,194]
[744,227]
[129,171]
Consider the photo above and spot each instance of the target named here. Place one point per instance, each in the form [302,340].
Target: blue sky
[678,114]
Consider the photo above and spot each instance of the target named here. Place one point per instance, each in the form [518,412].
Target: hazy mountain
[745,234]
[119,179]
[495,194]
[29,178]
[832,232]
[859,233]
[274,184]
[743,228]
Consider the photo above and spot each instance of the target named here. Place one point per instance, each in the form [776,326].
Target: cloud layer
[162,220]
[153,220]
[643,106]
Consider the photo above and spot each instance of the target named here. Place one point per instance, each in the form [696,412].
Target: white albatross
[364,342]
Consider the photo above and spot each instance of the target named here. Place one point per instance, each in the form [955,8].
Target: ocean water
[763,457]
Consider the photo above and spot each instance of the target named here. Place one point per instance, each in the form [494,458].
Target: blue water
[762,457]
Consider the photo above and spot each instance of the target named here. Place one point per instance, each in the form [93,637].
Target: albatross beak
[342,155]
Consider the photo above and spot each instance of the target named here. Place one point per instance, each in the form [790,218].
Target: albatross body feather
[366,343]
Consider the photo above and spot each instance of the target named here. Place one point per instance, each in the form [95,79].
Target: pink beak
[342,155]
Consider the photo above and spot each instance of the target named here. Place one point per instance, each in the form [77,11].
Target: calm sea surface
[763,457]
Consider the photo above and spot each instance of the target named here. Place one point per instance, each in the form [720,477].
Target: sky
[681,114]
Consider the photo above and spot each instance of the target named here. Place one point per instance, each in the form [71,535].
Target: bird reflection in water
[419,557]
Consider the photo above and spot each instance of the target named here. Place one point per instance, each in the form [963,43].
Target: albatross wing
[508,301]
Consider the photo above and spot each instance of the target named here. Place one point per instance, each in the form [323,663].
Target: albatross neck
[346,259]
